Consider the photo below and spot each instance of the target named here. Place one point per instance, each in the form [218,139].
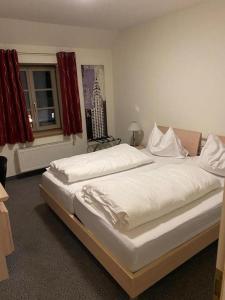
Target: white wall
[172,70]
[84,56]
[36,33]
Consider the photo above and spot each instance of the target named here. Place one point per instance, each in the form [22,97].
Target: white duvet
[108,161]
[132,200]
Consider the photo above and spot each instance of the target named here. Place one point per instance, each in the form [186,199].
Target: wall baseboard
[26,174]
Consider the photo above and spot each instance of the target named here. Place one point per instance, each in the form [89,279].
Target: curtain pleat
[14,123]
[72,122]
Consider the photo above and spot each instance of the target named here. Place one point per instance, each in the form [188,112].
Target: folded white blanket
[108,161]
[132,200]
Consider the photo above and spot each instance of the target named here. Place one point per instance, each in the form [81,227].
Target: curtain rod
[37,53]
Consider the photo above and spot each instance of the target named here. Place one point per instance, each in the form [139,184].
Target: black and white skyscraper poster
[94,101]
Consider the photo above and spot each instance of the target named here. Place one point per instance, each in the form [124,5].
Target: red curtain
[14,123]
[72,122]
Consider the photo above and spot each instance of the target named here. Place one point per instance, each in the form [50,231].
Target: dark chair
[3,169]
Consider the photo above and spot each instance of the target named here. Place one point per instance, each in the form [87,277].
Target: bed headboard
[222,138]
[191,140]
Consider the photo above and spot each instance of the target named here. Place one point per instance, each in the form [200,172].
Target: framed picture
[93,79]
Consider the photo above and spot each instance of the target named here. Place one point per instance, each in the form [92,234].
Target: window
[40,89]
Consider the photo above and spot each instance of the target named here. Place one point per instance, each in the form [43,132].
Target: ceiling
[105,14]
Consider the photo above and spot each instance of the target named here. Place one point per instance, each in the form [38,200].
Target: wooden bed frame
[134,283]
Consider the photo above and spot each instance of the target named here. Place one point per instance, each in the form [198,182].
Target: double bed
[140,257]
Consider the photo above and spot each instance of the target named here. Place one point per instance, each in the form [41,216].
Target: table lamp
[134,127]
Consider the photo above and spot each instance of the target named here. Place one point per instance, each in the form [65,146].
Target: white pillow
[167,144]
[212,157]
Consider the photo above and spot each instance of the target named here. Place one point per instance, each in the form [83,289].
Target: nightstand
[139,147]
[6,241]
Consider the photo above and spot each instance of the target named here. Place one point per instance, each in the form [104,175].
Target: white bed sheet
[65,192]
[148,242]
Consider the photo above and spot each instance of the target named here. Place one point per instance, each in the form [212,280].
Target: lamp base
[133,141]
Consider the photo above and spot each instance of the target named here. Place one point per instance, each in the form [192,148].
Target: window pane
[46,117]
[27,100]
[42,79]
[23,78]
[44,99]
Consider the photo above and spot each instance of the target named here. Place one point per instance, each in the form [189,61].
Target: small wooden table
[6,241]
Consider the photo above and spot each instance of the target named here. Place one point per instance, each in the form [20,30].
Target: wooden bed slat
[222,138]
[176,257]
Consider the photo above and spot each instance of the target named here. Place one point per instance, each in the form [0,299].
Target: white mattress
[148,242]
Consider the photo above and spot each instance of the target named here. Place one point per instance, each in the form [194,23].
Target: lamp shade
[134,126]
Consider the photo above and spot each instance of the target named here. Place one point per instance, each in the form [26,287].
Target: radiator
[37,157]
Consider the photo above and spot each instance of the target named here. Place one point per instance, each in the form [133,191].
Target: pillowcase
[167,144]
[212,157]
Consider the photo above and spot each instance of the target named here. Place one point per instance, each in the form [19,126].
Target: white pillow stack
[167,144]
[212,157]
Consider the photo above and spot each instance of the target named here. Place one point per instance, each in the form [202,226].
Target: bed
[139,259]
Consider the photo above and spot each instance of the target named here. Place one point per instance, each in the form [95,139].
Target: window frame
[29,69]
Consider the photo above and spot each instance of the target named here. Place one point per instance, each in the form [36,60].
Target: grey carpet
[50,263]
